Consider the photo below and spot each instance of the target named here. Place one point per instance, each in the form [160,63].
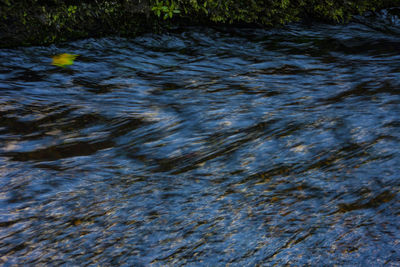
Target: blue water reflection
[204,147]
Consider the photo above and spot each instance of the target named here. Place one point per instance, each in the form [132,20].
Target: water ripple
[204,147]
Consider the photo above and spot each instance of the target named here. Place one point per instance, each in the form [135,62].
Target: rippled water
[204,147]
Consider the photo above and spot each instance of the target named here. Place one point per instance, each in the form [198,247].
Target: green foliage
[165,7]
[27,22]
[269,12]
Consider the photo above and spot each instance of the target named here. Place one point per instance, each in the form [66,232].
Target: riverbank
[40,22]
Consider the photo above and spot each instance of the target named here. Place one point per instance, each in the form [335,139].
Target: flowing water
[204,147]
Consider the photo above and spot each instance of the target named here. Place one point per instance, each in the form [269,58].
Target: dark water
[204,147]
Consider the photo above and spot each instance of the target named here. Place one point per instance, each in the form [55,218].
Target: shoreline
[36,22]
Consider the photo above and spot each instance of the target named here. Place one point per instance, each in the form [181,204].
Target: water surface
[204,147]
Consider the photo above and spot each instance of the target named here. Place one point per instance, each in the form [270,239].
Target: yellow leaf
[63,60]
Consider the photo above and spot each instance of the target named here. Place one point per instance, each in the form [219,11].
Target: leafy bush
[26,22]
[272,12]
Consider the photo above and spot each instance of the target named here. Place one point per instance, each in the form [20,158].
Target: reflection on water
[204,147]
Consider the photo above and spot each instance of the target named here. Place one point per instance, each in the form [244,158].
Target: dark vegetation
[29,22]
